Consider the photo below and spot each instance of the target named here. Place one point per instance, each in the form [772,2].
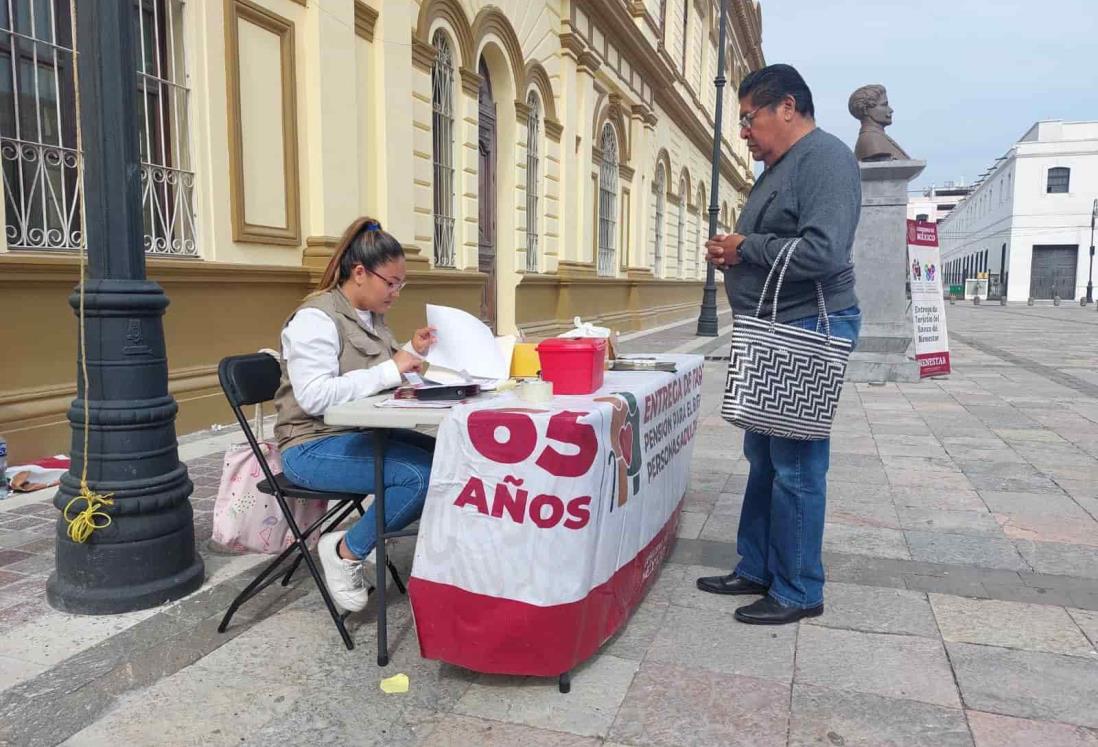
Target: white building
[935,203]
[1027,222]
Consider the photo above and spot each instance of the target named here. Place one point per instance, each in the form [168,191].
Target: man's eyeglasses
[747,119]
[394,285]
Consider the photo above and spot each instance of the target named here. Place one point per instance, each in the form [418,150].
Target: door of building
[486,197]
[1052,271]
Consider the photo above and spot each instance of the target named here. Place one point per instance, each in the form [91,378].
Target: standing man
[810,189]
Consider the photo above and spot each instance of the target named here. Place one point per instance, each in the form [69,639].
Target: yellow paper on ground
[398,683]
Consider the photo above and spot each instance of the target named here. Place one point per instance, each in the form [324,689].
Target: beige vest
[359,348]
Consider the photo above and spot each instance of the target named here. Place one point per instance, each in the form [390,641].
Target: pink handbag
[246,520]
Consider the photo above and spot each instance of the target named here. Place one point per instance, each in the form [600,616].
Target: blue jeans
[780,538]
[345,463]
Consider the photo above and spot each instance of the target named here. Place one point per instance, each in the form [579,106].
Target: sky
[966,78]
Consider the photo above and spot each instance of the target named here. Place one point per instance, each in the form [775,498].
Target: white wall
[1012,205]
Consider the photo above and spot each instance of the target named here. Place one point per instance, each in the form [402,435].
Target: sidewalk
[962,603]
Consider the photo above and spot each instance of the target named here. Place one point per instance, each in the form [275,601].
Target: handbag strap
[785,251]
[260,436]
[785,255]
[823,310]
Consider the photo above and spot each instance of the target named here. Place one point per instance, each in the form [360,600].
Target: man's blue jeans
[345,463]
[780,539]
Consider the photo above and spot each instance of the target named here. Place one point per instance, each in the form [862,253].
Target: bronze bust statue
[869,104]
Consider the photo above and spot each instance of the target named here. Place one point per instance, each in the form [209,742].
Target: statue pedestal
[880,265]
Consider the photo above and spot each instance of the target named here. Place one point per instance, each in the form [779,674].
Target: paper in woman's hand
[466,345]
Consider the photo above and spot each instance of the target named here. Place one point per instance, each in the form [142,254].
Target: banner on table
[545,524]
[924,263]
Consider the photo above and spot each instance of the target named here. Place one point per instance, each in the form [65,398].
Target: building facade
[933,204]
[1027,222]
[538,161]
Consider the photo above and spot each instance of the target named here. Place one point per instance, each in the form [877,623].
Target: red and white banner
[924,263]
[545,524]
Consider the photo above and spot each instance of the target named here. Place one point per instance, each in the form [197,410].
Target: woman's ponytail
[363,243]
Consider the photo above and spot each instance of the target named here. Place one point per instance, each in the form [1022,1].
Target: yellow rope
[92,517]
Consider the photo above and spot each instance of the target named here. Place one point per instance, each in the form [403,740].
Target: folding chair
[251,380]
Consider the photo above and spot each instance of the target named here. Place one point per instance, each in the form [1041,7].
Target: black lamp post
[707,319]
[1090,272]
[145,556]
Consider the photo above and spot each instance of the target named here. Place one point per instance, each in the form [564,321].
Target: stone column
[880,262]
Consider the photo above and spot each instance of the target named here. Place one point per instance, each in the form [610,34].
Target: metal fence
[38,119]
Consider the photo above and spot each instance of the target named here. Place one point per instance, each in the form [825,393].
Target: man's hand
[423,339]
[406,361]
[723,249]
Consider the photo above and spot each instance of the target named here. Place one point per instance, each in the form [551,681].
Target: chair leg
[396,577]
[252,587]
[337,618]
[336,522]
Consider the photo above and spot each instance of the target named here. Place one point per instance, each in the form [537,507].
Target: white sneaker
[347,583]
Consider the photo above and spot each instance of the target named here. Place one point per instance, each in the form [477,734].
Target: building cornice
[631,42]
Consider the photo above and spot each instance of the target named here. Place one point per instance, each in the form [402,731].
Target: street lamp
[707,319]
[1090,272]
[145,555]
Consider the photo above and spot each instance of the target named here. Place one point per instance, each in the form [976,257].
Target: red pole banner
[924,262]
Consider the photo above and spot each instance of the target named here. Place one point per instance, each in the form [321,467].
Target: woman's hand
[406,361]
[423,339]
[723,249]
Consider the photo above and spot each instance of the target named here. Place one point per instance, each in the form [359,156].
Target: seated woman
[337,348]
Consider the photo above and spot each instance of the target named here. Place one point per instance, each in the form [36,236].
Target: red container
[575,365]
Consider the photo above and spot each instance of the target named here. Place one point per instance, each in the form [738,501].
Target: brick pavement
[962,603]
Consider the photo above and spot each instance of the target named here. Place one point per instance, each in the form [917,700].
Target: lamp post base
[707,319]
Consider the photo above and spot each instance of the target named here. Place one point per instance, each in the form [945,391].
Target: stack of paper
[466,350]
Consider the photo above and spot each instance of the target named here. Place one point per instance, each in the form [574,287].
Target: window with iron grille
[608,199]
[167,174]
[659,187]
[38,118]
[38,126]
[1059,178]
[682,223]
[442,128]
[533,133]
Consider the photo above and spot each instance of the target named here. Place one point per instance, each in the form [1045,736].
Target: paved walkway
[962,603]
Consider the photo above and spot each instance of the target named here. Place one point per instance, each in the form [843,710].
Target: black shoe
[730,584]
[769,611]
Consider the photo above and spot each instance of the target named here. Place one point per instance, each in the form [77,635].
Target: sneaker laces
[358,579]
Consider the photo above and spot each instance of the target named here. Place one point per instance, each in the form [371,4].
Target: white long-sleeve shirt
[310,345]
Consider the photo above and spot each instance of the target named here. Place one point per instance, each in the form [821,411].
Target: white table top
[363,413]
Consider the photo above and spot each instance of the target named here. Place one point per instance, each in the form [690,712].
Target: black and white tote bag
[783,380]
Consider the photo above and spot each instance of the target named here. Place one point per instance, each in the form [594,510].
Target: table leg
[380,435]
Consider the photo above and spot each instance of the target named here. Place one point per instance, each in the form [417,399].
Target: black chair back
[250,380]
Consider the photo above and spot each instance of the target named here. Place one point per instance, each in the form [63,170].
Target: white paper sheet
[466,347]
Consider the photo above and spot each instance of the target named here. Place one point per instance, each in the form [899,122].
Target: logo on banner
[924,271]
[625,443]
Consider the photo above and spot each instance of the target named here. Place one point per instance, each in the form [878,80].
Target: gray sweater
[814,191]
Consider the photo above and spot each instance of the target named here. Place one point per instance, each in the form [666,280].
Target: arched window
[442,151]
[533,170]
[1059,180]
[608,199]
[683,199]
[701,231]
[659,189]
